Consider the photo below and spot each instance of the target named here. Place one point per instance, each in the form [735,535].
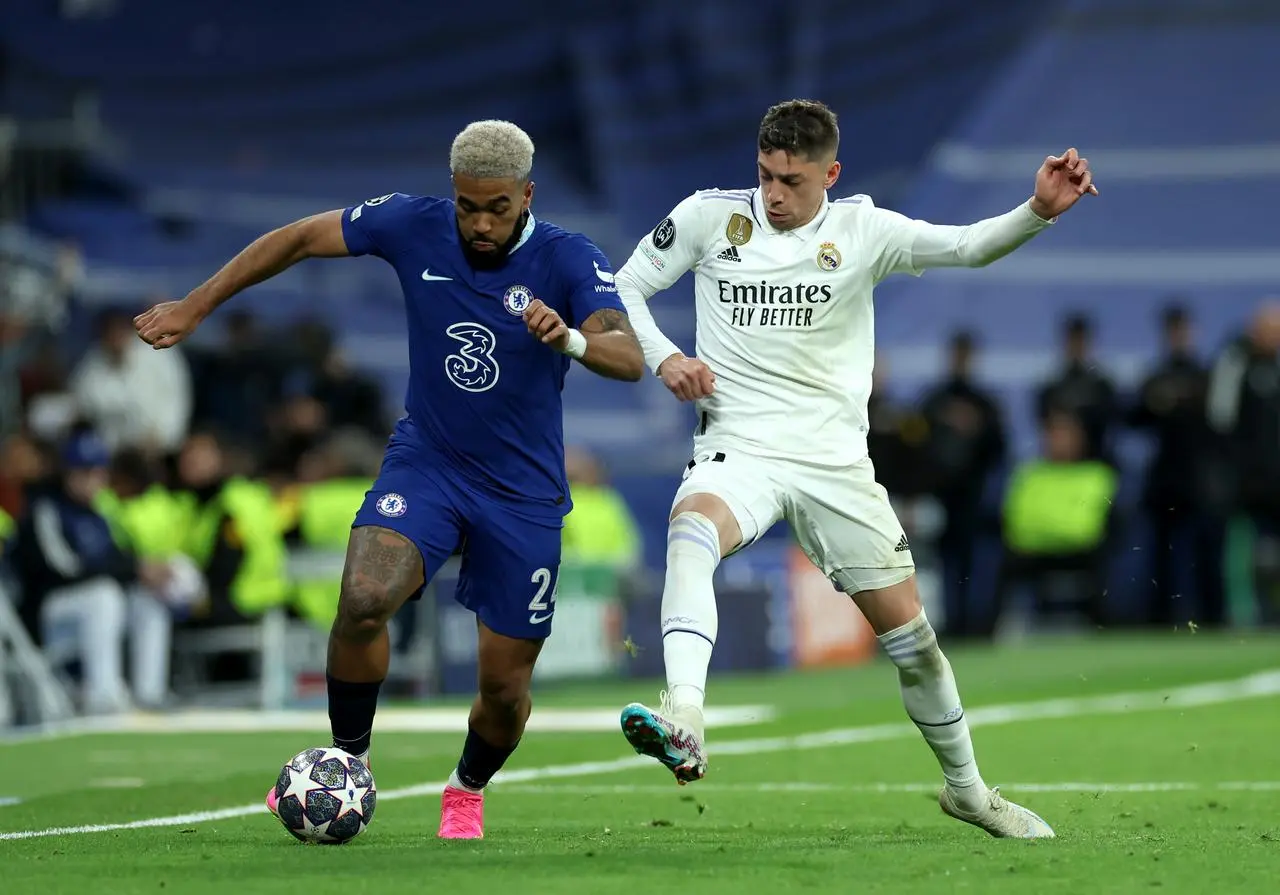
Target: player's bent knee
[715,509]
[363,611]
[888,598]
[913,647]
[504,694]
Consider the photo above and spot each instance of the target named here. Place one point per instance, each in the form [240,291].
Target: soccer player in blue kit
[497,304]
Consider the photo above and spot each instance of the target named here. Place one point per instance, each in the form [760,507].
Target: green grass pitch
[1168,787]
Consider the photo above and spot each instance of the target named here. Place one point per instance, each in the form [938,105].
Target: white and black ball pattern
[325,795]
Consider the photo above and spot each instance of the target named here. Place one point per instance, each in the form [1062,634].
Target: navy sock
[480,760]
[351,710]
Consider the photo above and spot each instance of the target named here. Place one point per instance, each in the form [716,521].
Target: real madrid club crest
[738,230]
[516,299]
[829,256]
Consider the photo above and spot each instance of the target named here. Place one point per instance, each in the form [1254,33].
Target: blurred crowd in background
[207,463]
[1085,432]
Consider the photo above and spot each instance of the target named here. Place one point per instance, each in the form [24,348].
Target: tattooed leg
[383,570]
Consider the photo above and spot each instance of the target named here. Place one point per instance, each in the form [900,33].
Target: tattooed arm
[612,347]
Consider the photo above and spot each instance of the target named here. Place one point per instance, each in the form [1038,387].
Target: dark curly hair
[802,127]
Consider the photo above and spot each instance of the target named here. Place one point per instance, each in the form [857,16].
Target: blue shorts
[510,560]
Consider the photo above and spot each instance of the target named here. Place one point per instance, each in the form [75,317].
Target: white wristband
[576,347]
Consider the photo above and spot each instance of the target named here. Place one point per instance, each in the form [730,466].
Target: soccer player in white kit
[785,345]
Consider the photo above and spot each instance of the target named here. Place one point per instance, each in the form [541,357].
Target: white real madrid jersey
[785,318]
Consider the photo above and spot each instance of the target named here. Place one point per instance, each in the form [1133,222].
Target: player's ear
[833,174]
[528,194]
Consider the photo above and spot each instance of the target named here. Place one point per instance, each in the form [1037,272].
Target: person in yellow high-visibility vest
[600,529]
[146,520]
[1057,512]
[232,531]
[317,516]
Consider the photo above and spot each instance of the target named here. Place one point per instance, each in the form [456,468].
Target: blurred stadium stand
[161,138]
[212,128]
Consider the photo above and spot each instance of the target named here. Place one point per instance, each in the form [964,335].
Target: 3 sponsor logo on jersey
[472,368]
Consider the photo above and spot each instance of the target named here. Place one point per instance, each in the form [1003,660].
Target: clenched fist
[546,325]
[687,377]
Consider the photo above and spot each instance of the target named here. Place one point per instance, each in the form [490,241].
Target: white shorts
[840,517]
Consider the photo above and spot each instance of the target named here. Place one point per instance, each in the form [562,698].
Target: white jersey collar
[524,234]
[809,229]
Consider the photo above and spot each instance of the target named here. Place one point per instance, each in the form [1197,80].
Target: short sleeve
[370,228]
[587,277]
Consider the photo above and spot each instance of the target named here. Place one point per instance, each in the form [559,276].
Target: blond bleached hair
[492,150]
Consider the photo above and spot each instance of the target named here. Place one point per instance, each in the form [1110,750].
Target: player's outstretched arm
[912,246]
[318,236]
[606,344]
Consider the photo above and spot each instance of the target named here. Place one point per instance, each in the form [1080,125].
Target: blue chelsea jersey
[484,396]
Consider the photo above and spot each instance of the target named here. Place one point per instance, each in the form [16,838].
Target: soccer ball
[325,795]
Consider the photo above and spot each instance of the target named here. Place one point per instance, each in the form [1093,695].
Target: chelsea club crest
[392,504]
[516,299]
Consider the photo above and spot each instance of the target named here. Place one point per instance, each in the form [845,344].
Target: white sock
[689,619]
[932,701]
[456,783]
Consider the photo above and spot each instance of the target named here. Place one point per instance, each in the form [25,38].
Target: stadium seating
[1186,169]
[232,126]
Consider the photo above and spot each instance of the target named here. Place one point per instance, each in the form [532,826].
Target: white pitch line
[883,788]
[390,720]
[1262,684]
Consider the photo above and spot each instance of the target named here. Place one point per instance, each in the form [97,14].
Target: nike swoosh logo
[428,276]
[539,619]
[604,275]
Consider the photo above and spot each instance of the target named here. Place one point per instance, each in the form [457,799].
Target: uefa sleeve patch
[664,235]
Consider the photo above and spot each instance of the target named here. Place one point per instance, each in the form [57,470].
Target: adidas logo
[730,254]
[902,545]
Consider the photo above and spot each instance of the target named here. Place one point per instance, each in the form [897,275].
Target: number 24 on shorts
[542,607]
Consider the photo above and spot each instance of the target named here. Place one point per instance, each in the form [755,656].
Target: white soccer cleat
[674,737]
[998,816]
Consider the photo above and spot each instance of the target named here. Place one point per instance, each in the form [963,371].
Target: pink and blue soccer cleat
[673,737]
